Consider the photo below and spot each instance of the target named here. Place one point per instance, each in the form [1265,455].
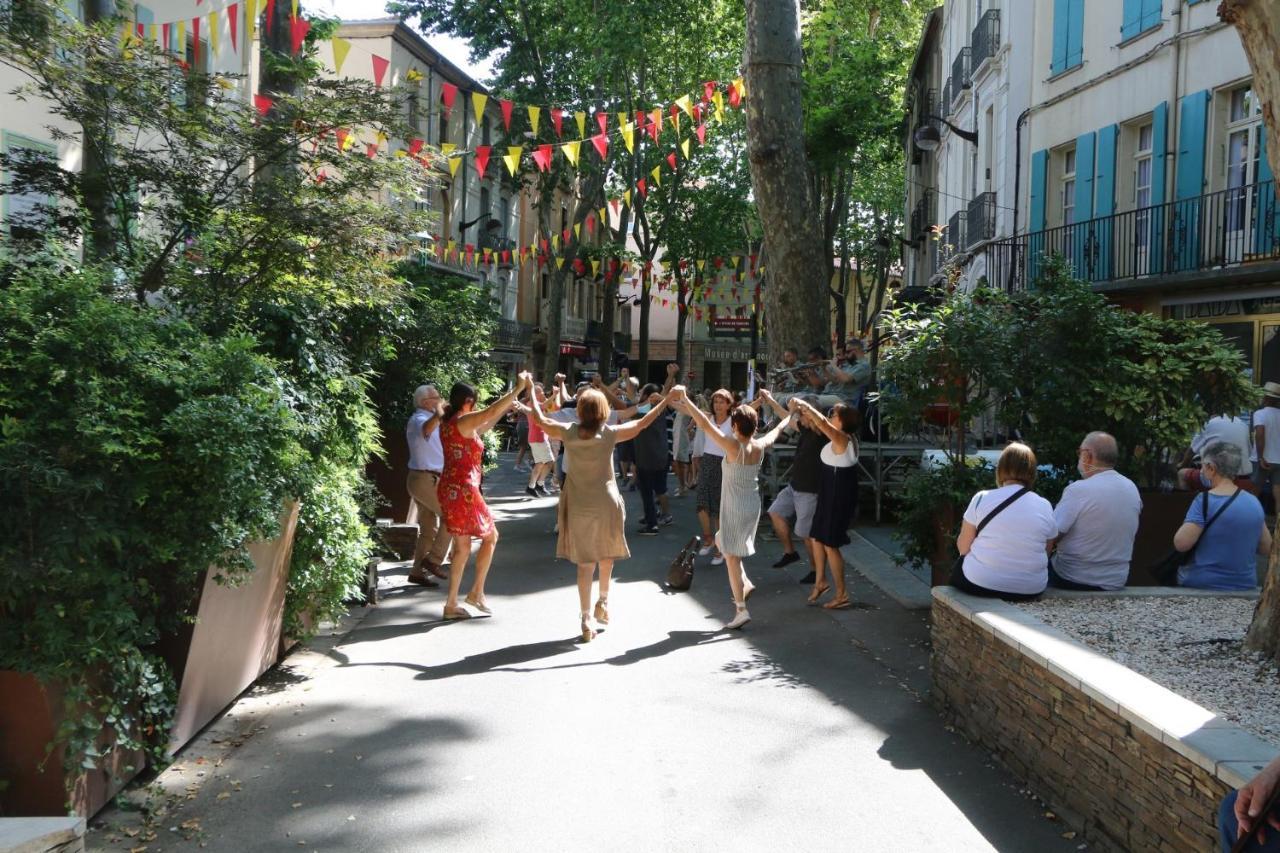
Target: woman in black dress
[837,496]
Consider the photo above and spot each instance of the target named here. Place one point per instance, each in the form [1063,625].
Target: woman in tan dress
[591,514]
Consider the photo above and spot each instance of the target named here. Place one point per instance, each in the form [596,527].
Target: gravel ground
[1192,646]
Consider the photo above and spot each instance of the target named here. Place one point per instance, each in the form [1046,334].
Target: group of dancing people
[591,514]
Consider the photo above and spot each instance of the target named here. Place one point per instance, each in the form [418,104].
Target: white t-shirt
[1097,519]
[425,454]
[1231,431]
[1268,417]
[564,416]
[840,460]
[1009,555]
[713,449]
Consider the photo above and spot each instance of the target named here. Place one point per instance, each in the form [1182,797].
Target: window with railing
[980,219]
[986,37]
[955,238]
[960,70]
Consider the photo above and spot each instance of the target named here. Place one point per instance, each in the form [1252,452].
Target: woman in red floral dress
[466,516]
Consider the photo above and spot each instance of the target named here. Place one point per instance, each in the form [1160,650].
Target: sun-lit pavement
[808,731]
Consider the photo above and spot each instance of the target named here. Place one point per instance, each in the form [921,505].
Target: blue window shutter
[1159,154]
[1084,177]
[1104,199]
[1131,25]
[1189,171]
[1265,240]
[1104,188]
[1075,33]
[1039,176]
[1061,22]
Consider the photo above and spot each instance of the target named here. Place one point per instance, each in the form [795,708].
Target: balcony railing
[955,233]
[947,97]
[594,328]
[573,329]
[512,335]
[960,72]
[980,222]
[622,341]
[986,37]
[922,217]
[1209,232]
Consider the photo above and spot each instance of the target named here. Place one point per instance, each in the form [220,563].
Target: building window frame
[8,141]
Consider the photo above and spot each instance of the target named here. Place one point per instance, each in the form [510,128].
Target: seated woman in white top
[1009,559]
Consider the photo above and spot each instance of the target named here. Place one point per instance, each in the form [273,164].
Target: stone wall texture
[1130,791]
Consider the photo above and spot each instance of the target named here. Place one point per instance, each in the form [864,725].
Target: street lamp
[927,138]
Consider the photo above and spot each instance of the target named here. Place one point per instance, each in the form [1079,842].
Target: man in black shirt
[652,461]
[800,498]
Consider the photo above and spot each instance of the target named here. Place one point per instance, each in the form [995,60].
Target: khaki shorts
[541,451]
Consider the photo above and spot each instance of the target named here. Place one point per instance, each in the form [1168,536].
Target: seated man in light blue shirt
[1097,519]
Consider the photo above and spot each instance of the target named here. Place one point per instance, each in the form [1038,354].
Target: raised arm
[631,429]
[614,402]
[673,375]
[552,428]
[838,437]
[767,440]
[777,407]
[478,422]
[708,426]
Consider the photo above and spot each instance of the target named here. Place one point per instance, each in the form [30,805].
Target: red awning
[573,349]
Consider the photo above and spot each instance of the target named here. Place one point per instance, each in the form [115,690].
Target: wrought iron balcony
[986,37]
[947,97]
[955,233]
[980,221]
[1217,231]
[922,217]
[961,69]
[512,335]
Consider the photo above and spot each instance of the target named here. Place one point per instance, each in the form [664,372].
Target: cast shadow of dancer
[674,641]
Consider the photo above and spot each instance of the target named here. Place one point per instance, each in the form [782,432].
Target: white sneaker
[741,618]
[704,550]
[717,560]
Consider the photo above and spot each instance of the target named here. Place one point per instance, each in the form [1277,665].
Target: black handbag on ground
[1166,570]
[680,575]
[959,564]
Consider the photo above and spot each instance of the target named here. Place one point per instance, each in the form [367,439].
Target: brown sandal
[456,615]
[817,593]
[841,603]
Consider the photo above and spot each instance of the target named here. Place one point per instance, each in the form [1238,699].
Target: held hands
[672,368]
[560,377]
[524,380]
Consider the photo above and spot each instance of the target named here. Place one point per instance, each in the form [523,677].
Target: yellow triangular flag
[555,242]
[447,148]
[478,101]
[560,262]
[153,33]
[534,114]
[626,197]
[734,260]
[684,146]
[454,163]
[604,216]
[348,142]
[595,268]
[213,35]
[657,175]
[449,247]
[382,140]
[577,230]
[581,119]
[629,137]
[513,158]
[182,38]
[250,19]
[413,75]
[702,263]
[656,118]
[685,104]
[622,119]
[718,98]
[295,8]
[675,121]
[741,85]
[570,150]
[341,47]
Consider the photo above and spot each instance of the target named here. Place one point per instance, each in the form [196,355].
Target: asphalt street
[809,730]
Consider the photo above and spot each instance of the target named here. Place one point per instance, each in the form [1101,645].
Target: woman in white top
[1010,559]
[742,451]
[837,496]
[711,471]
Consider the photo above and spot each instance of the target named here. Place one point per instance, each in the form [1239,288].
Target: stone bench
[41,835]
[1142,767]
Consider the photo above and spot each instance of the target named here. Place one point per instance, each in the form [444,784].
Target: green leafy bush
[135,453]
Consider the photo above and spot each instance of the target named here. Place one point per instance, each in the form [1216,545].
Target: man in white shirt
[1266,441]
[426,463]
[1097,519]
[1229,430]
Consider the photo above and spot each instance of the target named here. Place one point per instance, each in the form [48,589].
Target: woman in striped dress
[739,491]
[712,469]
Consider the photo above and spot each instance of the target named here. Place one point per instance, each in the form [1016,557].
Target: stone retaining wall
[1141,767]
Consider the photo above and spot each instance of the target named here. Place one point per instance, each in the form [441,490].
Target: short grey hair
[421,392]
[1104,448]
[1225,458]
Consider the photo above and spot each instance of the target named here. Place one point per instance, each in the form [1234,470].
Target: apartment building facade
[1141,160]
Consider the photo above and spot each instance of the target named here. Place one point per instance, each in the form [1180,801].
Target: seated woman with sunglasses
[1228,530]
[1004,541]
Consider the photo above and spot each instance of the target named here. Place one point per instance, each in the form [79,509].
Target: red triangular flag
[643,187]
[701,130]
[298,28]
[542,157]
[415,145]
[601,142]
[165,34]
[506,114]
[557,120]
[195,42]
[322,177]
[602,119]
[263,103]
[233,18]
[380,66]
[546,245]
[708,90]
[448,94]
[671,160]
[371,150]
[735,97]
[271,15]
[340,135]
[482,159]
[564,235]
[591,222]
[697,112]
